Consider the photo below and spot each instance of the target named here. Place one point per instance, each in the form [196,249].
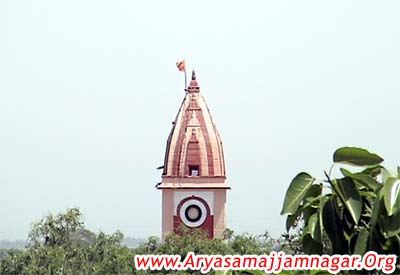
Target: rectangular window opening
[194,171]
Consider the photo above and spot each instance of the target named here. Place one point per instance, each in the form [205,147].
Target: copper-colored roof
[194,140]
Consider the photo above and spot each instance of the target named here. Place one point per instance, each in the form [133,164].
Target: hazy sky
[88,91]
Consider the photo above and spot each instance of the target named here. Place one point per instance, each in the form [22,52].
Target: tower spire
[194,180]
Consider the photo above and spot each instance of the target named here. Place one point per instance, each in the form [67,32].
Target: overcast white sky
[88,91]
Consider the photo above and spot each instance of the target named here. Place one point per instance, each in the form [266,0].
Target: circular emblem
[193,213]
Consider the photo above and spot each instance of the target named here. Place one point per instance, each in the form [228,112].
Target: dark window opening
[194,170]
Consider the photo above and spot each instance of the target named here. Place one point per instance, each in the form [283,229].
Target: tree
[351,214]
[60,244]
[197,241]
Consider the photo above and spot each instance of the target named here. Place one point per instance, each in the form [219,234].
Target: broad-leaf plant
[355,212]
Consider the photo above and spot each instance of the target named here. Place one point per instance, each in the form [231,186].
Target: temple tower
[194,181]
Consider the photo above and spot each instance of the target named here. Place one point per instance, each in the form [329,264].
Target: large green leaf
[322,203]
[377,208]
[361,178]
[374,237]
[392,225]
[310,246]
[356,156]
[314,191]
[373,171]
[362,242]
[314,228]
[292,218]
[333,226]
[296,192]
[310,200]
[387,174]
[348,223]
[391,194]
[376,240]
[312,197]
[308,212]
[351,197]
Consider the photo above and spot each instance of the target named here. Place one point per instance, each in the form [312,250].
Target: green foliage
[291,272]
[290,242]
[192,240]
[63,230]
[61,245]
[188,240]
[356,156]
[350,214]
[354,213]
[297,191]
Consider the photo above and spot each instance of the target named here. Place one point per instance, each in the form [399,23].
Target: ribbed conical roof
[194,142]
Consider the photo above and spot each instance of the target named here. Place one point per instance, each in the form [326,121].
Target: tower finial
[193,86]
[193,75]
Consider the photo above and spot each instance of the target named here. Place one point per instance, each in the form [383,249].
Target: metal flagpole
[185,81]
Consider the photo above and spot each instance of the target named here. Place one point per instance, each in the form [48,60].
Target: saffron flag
[181,65]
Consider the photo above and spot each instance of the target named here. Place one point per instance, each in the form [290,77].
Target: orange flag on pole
[181,65]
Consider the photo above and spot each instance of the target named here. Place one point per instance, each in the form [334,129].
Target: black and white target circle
[193,213]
